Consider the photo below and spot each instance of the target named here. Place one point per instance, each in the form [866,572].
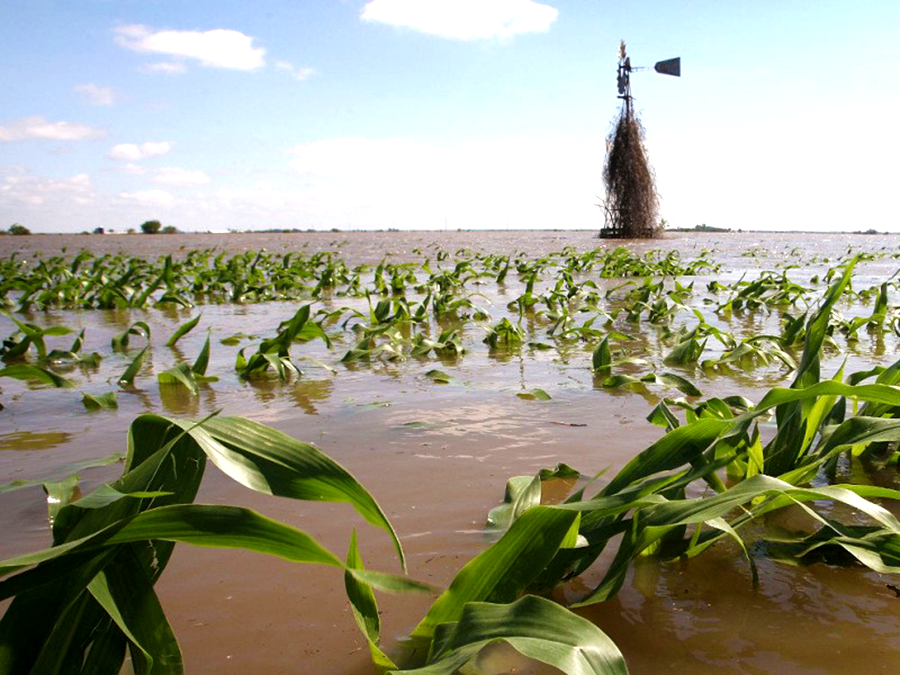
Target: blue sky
[425,114]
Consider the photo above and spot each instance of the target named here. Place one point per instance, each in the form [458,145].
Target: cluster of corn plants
[80,604]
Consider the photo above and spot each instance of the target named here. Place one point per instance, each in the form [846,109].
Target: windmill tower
[631,204]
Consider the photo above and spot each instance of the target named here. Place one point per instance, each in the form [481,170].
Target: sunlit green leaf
[107,401]
[364,607]
[26,371]
[182,375]
[131,371]
[183,330]
[534,395]
[503,571]
[438,377]
[535,627]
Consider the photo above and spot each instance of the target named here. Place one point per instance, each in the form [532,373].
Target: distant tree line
[701,228]
[155,227]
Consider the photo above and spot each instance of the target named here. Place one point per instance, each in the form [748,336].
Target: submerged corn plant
[274,353]
[81,604]
[16,346]
[645,505]
[90,281]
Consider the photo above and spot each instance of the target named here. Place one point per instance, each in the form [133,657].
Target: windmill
[631,203]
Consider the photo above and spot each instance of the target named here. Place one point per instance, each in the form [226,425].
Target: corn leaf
[131,371]
[183,330]
[364,608]
[120,341]
[503,571]
[107,401]
[182,375]
[269,461]
[535,627]
[534,395]
[202,362]
[26,371]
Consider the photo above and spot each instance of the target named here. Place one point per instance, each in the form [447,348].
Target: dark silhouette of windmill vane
[631,204]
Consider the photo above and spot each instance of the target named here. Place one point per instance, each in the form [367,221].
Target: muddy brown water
[437,458]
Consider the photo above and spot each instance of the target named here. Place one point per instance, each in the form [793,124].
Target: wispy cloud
[171,175]
[133,152]
[463,19]
[298,73]
[166,67]
[152,198]
[38,127]
[18,187]
[100,96]
[219,48]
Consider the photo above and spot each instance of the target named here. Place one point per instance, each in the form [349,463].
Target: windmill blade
[669,67]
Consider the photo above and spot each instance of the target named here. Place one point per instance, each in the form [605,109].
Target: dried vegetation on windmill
[631,206]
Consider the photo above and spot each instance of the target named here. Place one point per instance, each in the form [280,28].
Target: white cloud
[463,19]
[38,127]
[172,175]
[168,175]
[260,198]
[153,198]
[133,152]
[100,96]
[298,73]
[219,48]
[18,187]
[135,169]
[167,67]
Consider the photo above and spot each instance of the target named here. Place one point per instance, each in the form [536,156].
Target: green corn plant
[274,352]
[32,373]
[504,335]
[127,378]
[79,605]
[14,348]
[140,328]
[183,330]
[74,354]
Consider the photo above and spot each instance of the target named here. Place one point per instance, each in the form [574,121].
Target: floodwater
[437,458]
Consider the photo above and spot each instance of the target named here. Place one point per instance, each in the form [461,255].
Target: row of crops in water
[656,325]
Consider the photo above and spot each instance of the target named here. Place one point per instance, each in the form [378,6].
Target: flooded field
[435,437]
